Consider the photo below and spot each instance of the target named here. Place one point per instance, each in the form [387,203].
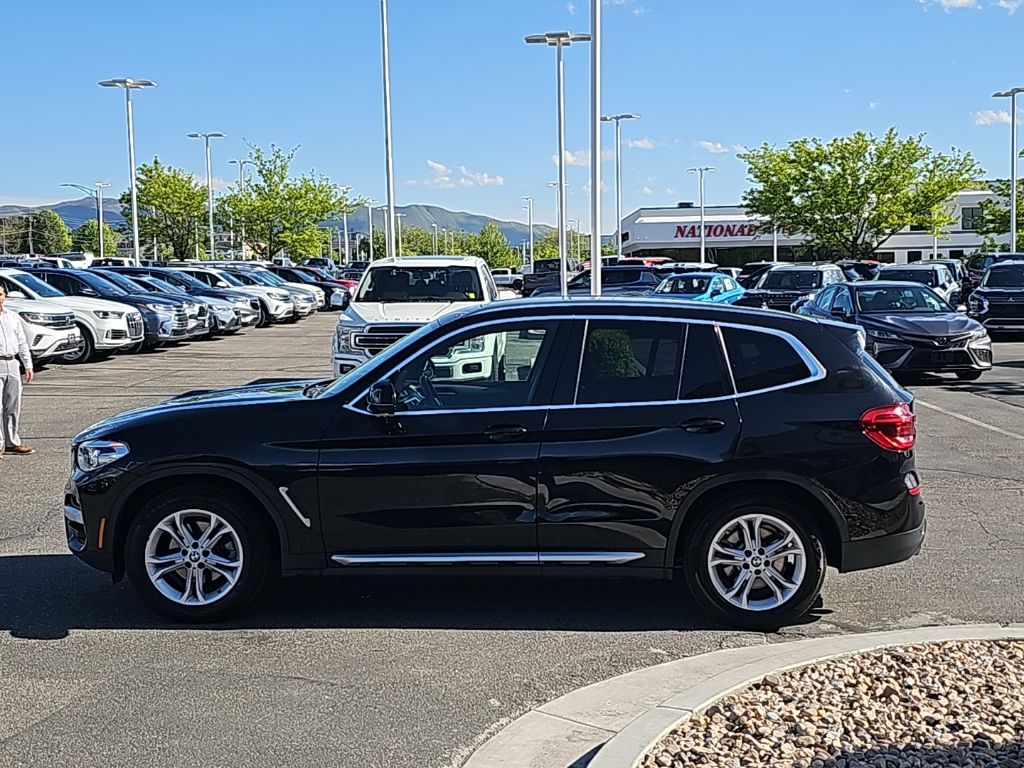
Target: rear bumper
[882,550]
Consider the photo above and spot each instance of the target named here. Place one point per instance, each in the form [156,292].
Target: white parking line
[969,420]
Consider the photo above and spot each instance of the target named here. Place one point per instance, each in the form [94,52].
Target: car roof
[916,265]
[867,284]
[1008,263]
[429,261]
[786,267]
[680,275]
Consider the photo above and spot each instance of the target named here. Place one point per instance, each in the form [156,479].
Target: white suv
[105,326]
[50,329]
[397,296]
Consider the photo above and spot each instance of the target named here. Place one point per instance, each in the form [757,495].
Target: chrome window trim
[817,370]
[579,363]
[490,558]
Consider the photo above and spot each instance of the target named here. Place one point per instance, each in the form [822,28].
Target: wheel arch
[802,493]
[150,486]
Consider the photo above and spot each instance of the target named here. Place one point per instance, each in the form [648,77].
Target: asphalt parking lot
[362,672]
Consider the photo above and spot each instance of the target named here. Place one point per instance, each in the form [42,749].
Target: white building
[733,237]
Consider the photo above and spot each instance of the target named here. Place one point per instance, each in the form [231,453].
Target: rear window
[923,276]
[704,374]
[1005,277]
[762,360]
[792,279]
[621,276]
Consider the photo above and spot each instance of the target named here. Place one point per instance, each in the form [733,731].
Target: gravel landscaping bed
[941,704]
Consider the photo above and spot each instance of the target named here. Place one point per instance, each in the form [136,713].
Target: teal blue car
[700,286]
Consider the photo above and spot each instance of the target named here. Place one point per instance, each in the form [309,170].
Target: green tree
[492,246]
[172,207]
[282,213]
[547,246]
[86,238]
[851,194]
[38,232]
[379,245]
[995,215]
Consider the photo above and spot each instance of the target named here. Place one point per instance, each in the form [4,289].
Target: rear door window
[630,361]
[704,372]
[762,360]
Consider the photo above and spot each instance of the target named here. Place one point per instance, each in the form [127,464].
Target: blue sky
[473,106]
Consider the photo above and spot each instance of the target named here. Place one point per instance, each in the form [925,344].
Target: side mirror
[962,309]
[88,292]
[380,400]
[222,284]
[16,295]
[341,300]
[840,313]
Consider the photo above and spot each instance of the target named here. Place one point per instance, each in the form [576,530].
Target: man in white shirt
[12,346]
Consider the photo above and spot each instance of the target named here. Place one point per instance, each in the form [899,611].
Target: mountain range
[76,212]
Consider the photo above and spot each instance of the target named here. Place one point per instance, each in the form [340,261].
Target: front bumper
[46,343]
[899,356]
[227,319]
[305,307]
[281,310]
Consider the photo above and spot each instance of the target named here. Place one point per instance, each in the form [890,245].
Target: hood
[938,324]
[1001,293]
[273,392]
[138,299]
[755,292]
[45,306]
[401,312]
[85,304]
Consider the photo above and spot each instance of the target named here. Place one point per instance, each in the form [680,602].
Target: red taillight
[891,427]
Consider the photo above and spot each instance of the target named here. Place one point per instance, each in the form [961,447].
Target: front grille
[922,358]
[117,335]
[135,327]
[1005,309]
[59,322]
[180,321]
[940,342]
[375,338]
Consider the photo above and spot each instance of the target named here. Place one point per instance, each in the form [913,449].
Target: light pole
[389,226]
[617,119]
[444,231]
[595,150]
[369,223]
[560,40]
[701,170]
[1012,94]
[529,208]
[389,245]
[129,85]
[344,224]
[209,180]
[241,190]
[435,238]
[96,195]
[574,225]
[399,217]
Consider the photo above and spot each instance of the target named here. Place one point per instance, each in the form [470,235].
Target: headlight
[471,345]
[104,314]
[979,334]
[881,334]
[280,295]
[164,309]
[978,304]
[93,454]
[35,317]
[240,302]
[343,338]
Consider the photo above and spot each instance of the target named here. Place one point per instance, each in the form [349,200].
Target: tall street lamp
[701,170]
[209,180]
[344,225]
[97,196]
[389,226]
[435,238]
[398,218]
[369,223]
[560,40]
[129,84]
[241,163]
[1012,94]
[617,119]
[574,225]
[529,209]
[595,149]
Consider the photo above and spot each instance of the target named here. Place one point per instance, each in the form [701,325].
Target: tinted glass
[418,284]
[910,298]
[843,301]
[630,361]
[98,284]
[621,276]
[704,373]
[762,360]
[687,286]
[180,278]
[227,278]
[1005,277]
[123,282]
[793,279]
[499,368]
[33,284]
[824,298]
[923,276]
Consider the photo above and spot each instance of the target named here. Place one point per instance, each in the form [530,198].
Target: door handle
[702,426]
[504,433]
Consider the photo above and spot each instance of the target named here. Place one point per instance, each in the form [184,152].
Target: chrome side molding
[283,490]
[490,558]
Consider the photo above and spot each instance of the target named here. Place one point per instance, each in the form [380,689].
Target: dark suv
[787,286]
[739,450]
[615,281]
[998,303]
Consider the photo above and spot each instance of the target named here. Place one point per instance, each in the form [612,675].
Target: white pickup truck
[397,296]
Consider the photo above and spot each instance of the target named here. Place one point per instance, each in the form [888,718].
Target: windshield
[37,286]
[248,278]
[123,282]
[687,286]
[322,274]
[923,276]
[300,276]
[900,299]
[418,284]
[99,284]
[163,286]
[267,278]
[1005,277]
[227,278]
[180,278]
[794,279]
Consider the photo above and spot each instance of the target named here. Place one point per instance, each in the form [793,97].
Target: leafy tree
[379,246]
[172,207]
[492,246]
[38,232]
[281,213]
[86,238]
[851,194]
[995,215]
[547,246]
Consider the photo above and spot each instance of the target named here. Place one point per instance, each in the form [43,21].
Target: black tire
[969,375]
[697,547]
[265,319]
[255,549]
[88,350]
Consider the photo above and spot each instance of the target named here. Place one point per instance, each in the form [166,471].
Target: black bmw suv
[737,450]
[998,303]
[786,286]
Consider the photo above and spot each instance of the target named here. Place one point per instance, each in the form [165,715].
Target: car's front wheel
[196,556]
[757,564]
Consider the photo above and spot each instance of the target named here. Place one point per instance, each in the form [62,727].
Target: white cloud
[714,147]
[1010,6]
[740,148]
[571,8]
[846,90]
[439,169]
[669,191]
[581,157]
[442,177]
[950,5]
[640,11]
[585,189]
[872,105]
[219,184]
[480,178]
[644,143]
[647,190]
[991,116]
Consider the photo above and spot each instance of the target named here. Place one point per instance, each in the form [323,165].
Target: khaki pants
[10,403]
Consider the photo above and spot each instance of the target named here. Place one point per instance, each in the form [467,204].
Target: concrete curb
[612,724]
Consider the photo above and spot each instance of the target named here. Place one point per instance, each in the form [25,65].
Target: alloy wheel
[193,557]
[757,562]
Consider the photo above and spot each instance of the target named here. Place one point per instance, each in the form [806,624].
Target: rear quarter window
[762,360]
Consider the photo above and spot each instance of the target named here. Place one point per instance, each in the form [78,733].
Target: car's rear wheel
[757,564]
[196,556]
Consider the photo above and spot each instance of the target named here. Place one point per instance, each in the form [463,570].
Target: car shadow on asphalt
[47,596]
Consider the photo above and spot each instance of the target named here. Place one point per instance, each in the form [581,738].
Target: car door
[643,410]
[452,476]
[820,304]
